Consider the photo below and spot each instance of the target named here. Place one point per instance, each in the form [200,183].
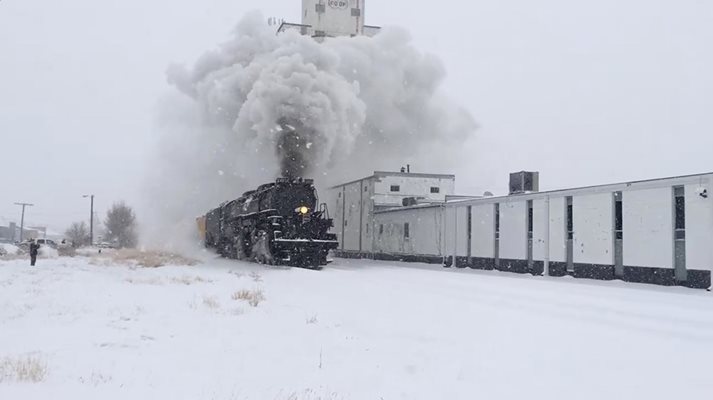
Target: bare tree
[120,225]
[78,234]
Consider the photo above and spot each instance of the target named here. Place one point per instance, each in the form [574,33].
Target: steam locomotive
[277,224]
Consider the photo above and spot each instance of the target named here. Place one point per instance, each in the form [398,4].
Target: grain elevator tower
[332,18]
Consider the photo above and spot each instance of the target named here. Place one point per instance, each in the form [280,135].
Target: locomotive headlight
[303,210]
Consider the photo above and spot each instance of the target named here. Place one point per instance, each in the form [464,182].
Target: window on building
[407,234]
[679,233]
[497,221]
[680,213]
[320,8]
[530,219]
[570,219]
[366,188]
[619,215]
[339,195]
[435,189]
[395,188]
[381,229]
[356,12]
[346,222]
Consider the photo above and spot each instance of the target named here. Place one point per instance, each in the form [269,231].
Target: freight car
[280,223]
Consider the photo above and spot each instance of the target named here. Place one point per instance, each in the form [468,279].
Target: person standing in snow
[34,249]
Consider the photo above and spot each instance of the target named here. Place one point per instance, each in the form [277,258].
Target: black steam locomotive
[277,224]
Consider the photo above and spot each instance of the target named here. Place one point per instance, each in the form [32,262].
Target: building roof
[603,187]
[570,191]
[383,174]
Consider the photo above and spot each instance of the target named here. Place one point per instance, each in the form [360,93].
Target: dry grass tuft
[237,311]
[189,280]
[155,280]
[236,273]
[242,295]
[311,394]
[101,261]
[146,259]
[256,277]
[145,281]
[66,251]
[23,369]
[253,297]
[311,320]
[211,302]
[95,379]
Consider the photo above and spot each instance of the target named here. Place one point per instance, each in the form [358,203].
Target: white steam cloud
[264,105]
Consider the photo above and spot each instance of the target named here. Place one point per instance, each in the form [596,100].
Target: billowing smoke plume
[294,144]
[264,105]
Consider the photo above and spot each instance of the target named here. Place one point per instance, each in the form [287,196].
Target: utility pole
[91,219]
[22,220]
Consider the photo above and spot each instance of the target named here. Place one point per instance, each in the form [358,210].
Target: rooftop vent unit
[413,201]
[524,182]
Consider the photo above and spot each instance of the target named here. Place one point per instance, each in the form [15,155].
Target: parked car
[25,246]
[47,242]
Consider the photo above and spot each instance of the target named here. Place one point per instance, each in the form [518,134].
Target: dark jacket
[34,249]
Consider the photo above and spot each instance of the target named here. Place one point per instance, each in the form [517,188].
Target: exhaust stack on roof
[524,182]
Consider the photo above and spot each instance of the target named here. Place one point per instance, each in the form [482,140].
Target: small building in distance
[355,203]
[11,233]
[7,233]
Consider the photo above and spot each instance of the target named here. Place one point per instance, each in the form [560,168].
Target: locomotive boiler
[280,223]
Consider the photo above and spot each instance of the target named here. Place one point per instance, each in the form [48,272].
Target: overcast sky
[584,92]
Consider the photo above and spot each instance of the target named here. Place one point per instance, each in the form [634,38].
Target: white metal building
[656,231]
[331,18]
[355,203]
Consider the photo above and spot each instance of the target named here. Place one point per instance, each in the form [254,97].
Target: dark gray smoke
[263,105]
[295,144]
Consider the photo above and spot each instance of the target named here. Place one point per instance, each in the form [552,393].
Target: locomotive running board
[300,241]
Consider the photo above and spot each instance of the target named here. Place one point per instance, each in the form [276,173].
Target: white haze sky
[584,92]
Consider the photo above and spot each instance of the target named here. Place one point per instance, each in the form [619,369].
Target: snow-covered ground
[6,248]
[357,330]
